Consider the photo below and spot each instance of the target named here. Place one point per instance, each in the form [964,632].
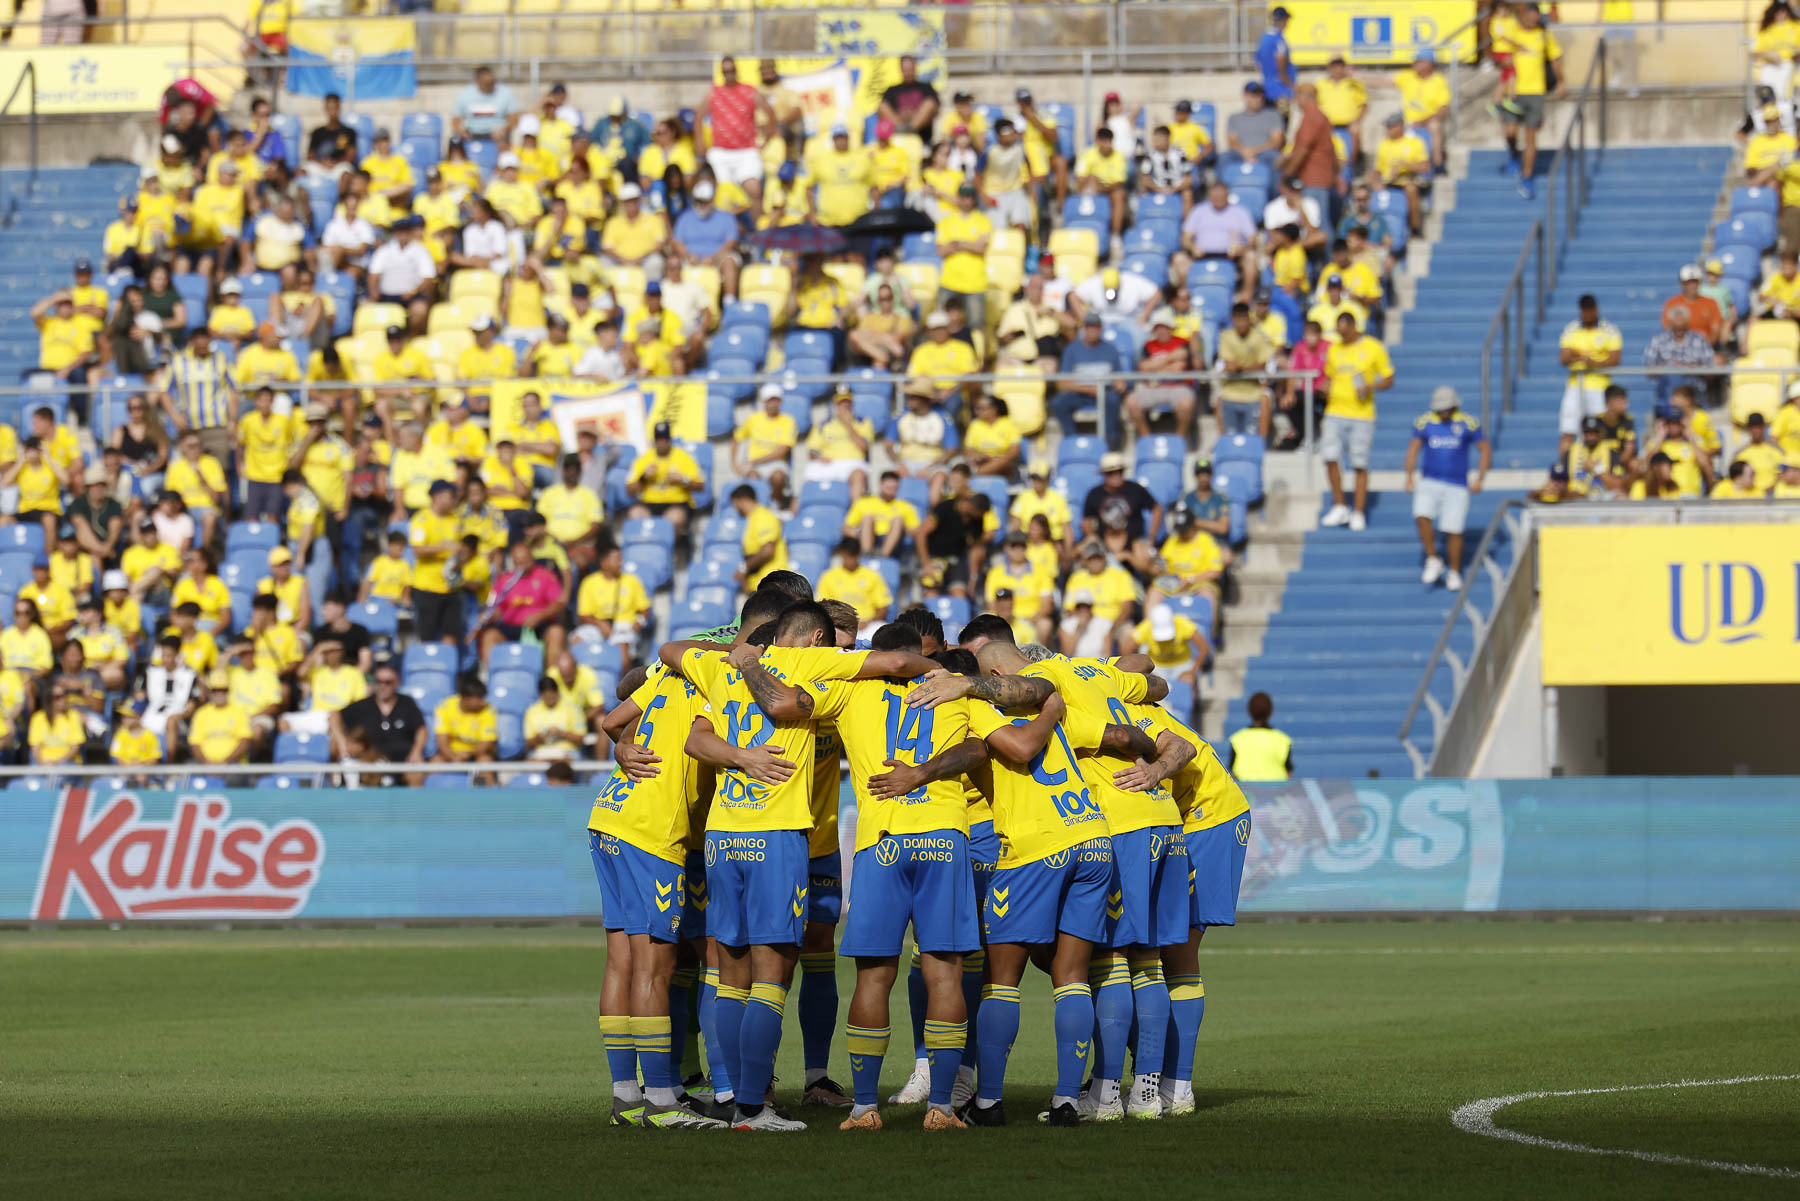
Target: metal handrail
[28,75]
[1422,695]
[1568,181]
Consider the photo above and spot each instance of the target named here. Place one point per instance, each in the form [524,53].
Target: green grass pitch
[450,1063]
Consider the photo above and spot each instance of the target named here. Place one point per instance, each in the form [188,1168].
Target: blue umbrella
[806,238]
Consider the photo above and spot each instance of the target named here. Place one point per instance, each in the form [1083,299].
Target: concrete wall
[1703,729]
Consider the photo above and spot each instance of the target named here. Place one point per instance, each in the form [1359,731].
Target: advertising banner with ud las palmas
[1323,846]
[845,79]
[1379,31]
[1670,604]
[365,59]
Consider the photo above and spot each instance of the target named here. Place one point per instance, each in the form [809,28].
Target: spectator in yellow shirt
[389,576]
[133,745]
[1358,367]
[663,480]
[882,519]
[554,728]
[467,731]
[219,731]
[859,586]
[763,542]
[1174,643]
[1115,593]
[1343,99]
[633,237]
[56,734]
[1190,560]
[1403,161]
[837,450]
[764,444]
[65,340]
[942,361]
[1188,135]
[615,603]
[843,181]
[455,432]
[1033,590]
[963,237]
[1100,171]
[1425,101]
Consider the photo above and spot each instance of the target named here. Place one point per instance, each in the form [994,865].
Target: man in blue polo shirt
[1096,360]
[706,234]
[1275,60]
[1443,437]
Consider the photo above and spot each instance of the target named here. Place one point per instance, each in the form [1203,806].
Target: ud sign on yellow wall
[97,78]
[1685,604]
[1378,31]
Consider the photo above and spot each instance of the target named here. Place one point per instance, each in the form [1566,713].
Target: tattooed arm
[1173,752]
[1021,742]
[758,762]
[778,701]
[902,778]
[1142,665]
[1005,692]
[1127,742]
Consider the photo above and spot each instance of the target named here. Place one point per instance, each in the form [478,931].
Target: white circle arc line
[1477,1117]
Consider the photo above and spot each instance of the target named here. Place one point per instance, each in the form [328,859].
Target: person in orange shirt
[1704,317]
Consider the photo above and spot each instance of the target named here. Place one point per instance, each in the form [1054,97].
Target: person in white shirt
[169,685]
[1083,635]
[602,361]
[686,299]
[348,236]
[485,244]
[1116,295]
[280,236]
[1292,207]
[402,268]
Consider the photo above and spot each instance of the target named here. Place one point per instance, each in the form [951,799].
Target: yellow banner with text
[96,78]
[1680,604]
[1379,31]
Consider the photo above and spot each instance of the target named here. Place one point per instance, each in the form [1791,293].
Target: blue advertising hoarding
[1316,846]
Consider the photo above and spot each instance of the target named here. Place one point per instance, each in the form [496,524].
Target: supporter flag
[361,60]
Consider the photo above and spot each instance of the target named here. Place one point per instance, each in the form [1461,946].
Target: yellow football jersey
[876,725]
[743,804]
[1205,793]
[655,815]
[1041,807]
[1096,694]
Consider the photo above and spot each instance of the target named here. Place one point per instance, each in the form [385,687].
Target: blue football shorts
[1216,858]
[693,916]
[925,879]
[984,856]
[824,888]
[1066,892]
[640,893]
[1151,905]
[756,886]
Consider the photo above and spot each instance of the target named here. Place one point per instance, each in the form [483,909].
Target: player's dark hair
[743,492]
[988,625]
[471,685]
[927,623]
[958,661]
[559,773]
[764,634]
[1260,707]
[790,584]
[764,605]
[631,681]
[896,637]
[803,621]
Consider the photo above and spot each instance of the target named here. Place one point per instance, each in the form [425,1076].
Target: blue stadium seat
[1213,273]
[1198,608]
[428,127]
[1754,200]
[430,690]
[1161,448]
[1075,482]
[377,616]
[826,514]
[751,314]
[284,781]
[1180,700]
[1241,482]
[706,573]
[995,489]
[512,697]
[321,194]
[747,342]
[1081,448]
[1122,337]
[951,610]
[874,396]
[1740,261]
[1153,238]
[1089,212]
[509,736]
[810,559]
[807,528]
[1161,480]
[699,615]
[649,562]
[27,537]
[421,156]
[889,570]
[919,248]
[648,529]
[617,498]
[193,290]
[1153,267]
[807,344]
[1063,117]
[484,154]
[448,779]
[1746,229]
[725,528]
[1249,180]
[288,126]
[604,657]
[364,125]
[1165,206]
[517,656]
[917,493]
[302,748]
[428,657]
[263,536]
[825,492]
[1239,448]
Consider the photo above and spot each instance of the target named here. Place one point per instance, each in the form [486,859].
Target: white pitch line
[1477,1117]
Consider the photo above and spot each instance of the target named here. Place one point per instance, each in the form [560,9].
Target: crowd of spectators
[316,490]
